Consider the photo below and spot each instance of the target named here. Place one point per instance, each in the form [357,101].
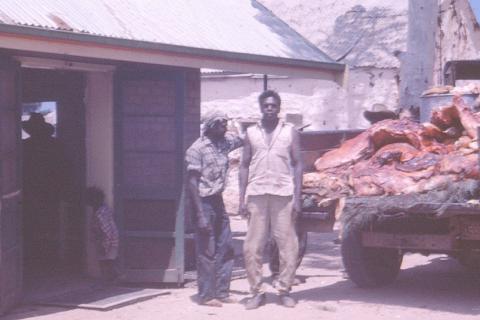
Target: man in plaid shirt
[207,165]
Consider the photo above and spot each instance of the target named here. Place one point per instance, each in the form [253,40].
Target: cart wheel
[368,267]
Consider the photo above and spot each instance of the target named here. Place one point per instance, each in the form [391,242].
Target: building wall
[99,146]
[323,104]
[417,63]
[368,35]
[457,36]
[394,50]
[362,33]
[192,108]
[439,31]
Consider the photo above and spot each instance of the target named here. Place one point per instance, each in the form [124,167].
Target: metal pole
[265,82]
[478,145]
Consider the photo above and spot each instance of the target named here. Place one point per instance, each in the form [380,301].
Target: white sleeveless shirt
[270,169]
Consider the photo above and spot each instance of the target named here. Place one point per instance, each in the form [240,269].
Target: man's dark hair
[94,196]
[269,93]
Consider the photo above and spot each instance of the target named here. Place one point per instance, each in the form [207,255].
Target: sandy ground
[433,287]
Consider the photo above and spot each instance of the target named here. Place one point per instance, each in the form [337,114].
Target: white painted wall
[458,35]
[323,104]
[375,34]
[368,35]
[99,145]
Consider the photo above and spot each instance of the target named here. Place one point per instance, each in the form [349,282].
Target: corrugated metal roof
[241,26]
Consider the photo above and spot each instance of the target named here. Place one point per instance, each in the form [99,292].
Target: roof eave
[336,69]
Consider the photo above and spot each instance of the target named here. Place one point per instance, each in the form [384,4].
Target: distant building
[394,50]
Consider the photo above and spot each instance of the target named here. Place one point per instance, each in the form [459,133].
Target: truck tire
[367,267]
[470,261]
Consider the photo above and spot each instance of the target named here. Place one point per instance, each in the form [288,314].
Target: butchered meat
[395,152]
[393,131]
[445,117]
[349,152]
[418,163]
[395,157]
[470,121]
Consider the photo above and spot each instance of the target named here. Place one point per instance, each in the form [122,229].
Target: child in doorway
[105,233]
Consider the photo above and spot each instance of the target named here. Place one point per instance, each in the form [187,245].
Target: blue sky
[476,8]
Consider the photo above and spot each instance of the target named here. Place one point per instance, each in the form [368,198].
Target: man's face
[270,108]
[219,128]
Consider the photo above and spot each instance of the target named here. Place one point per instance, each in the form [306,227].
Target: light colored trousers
[270,213]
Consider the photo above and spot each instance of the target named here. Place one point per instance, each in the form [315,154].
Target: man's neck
[270,124]
[214,139]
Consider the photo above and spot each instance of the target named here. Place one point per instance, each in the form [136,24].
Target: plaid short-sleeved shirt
[106,232]
[211,161]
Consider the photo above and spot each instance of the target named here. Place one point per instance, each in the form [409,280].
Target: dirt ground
[433,287]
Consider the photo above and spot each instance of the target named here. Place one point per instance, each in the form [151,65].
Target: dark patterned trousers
[215,255]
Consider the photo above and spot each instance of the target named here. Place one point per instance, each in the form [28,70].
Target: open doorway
[53,173]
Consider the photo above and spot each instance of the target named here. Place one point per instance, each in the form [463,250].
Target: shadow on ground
[441,284]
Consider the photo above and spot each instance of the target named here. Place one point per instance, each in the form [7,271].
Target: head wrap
[211,118]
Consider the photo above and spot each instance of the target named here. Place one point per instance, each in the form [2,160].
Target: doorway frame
[92,73]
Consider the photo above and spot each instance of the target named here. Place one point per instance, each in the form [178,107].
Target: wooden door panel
[11,273]
[144,253]
[10,174]
[11,279]
[149,176]
[11,225]
[149,215]
[138,133]
[148,94]
[148,180]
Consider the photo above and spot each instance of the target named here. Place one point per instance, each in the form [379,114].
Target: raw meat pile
[401,156]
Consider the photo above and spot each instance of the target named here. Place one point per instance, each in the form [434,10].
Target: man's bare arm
[243,175]
[297,171]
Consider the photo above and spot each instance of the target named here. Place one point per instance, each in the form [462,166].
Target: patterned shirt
[106,231]
[211,161]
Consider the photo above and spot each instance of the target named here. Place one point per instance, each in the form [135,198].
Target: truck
[374,238]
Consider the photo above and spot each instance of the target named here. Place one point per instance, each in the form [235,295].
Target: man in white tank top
[270,181]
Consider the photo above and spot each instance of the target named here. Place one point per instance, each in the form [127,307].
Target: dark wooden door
[67,90]
[148,173]
[10,187]
[71,134]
